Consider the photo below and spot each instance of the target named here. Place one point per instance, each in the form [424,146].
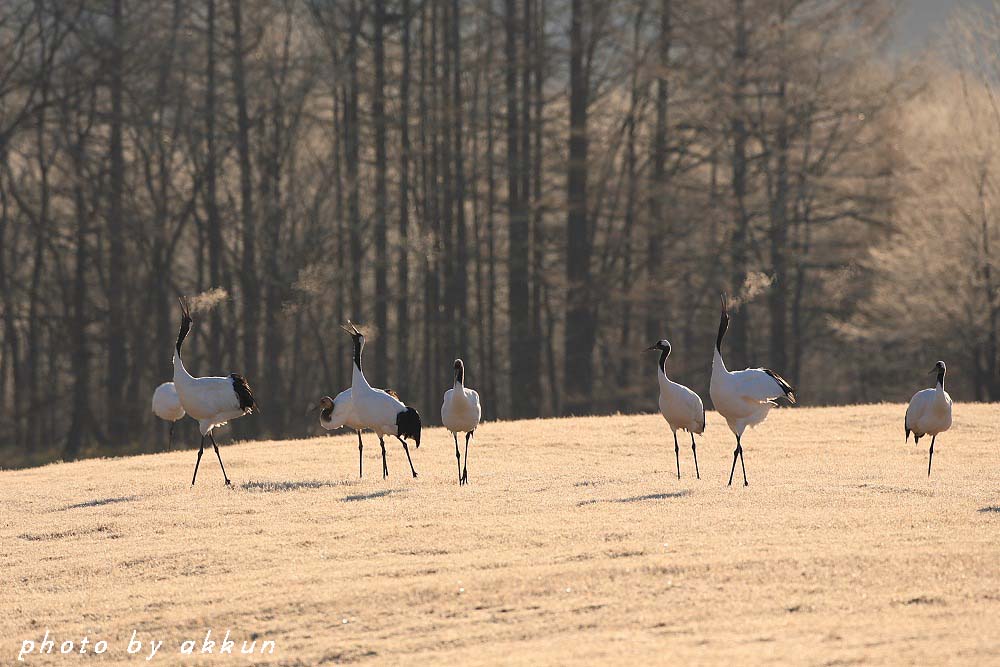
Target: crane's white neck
[180,373]
[718,365]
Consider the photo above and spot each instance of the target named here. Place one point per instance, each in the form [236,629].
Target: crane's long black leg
[694,451]
[407,450]
[201,450]
[361,449]
[465,468]
[224,475]
[677,455]
[736,452]
[458,459]
[170,438]
[743,465]
[931,457]
[385,468]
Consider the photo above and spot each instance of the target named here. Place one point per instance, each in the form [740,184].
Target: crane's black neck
[723,325]
[663,360]
[940,379]
[185,328]
[460,373]
[359,342]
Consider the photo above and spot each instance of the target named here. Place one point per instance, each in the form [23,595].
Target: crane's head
[662,345]
[723,322]
[940,369]
[185,322]
[325,407]
[353,331]
[459,371]
[408,425]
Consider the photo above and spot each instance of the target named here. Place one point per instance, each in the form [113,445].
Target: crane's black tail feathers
[242,388]
[788,389]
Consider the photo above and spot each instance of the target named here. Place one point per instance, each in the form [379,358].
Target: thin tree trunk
[402,302]
[741,216]
[579,335]
[116,325]
[381,203]
[656,305]
[248,273]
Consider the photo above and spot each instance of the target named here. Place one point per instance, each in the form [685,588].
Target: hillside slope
[574,541]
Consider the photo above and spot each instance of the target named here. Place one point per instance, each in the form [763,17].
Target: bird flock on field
[743,398]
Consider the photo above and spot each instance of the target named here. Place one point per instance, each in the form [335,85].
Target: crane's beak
[932,371]
[311,409]
[651,348]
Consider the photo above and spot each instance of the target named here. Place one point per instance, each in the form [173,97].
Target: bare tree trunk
[523,403]
[460,299]
[353,157]
[381,203]
[117,363]
[211,197]
[249,283]
[656,303]
[402,302]
[741,216]
[580,332]
[490,408]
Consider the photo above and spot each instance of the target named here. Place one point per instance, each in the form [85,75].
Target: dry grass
[574,542]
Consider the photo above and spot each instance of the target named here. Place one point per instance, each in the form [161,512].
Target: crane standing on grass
[743,397]
[461,412]
[681,407]
[379,411]
[213,401]
[929,412]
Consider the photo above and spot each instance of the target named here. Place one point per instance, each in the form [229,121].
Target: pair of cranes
[214,401]
[745,397]
[381,410]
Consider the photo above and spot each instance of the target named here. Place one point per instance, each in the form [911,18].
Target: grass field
[573,543]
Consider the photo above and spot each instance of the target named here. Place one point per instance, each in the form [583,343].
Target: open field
[574,542]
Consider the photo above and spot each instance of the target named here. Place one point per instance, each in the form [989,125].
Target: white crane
[743,397]
[461,412]
[167,406]
[213,401]
[338,412]
[681,407]
[929,412]
[379,411]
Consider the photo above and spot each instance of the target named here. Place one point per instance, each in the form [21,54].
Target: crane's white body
[373,408]
[460,411]
[929,413]
[378,410]
[166,404]
[212,401]
[343,414]
[744,397]
[680,406]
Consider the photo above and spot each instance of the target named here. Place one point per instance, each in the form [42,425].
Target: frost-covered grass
[573,543]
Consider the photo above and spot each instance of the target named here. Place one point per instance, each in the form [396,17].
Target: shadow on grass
[990,508]
[282,487]
[100,502]
[369,496]
[638,499]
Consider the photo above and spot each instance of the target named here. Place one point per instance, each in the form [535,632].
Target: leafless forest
[542,187]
